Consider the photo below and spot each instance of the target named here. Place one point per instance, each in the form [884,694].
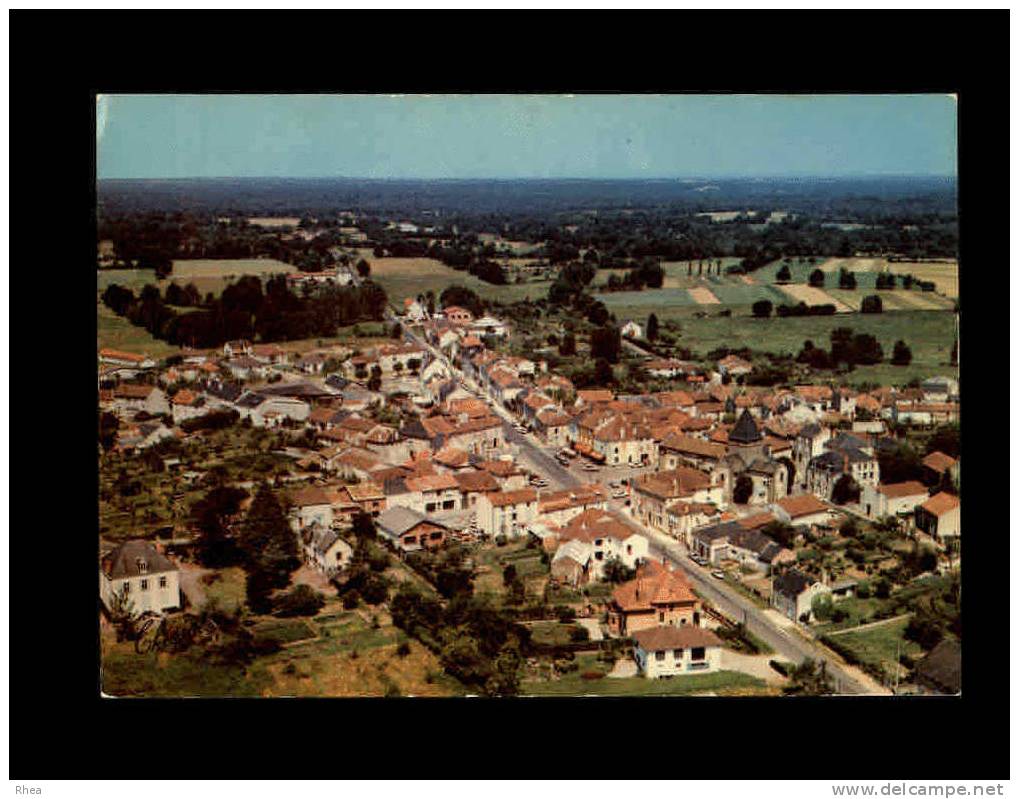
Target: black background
[60,728]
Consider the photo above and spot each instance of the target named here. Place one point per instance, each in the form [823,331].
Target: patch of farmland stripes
[812,296]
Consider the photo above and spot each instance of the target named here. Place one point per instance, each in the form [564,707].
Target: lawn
[879,645]
[228,589]
[409,277]
[572,684]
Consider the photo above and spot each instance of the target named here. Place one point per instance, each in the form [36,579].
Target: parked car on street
[718,575]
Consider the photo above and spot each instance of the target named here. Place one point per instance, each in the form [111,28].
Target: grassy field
[573,684]
[945,276]
[929,334]
[409,277]
[116,332]
[207,274]
[878,644]
[350,657]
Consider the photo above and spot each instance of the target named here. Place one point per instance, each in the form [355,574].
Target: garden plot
[703,296]
[812,296]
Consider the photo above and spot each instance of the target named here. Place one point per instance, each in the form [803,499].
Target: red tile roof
[941,503]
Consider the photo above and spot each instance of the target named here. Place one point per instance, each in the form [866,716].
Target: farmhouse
[803,509]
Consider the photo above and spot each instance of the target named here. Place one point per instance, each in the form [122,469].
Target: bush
[403,649]
[781,667]
[302,600]
[761,309]
[351,600]
[863,590]
[500,540]
[579,634]
[871,304]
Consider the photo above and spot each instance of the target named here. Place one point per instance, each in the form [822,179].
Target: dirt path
[871,624]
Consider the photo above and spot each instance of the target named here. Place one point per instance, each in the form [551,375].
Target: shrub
[302,600]
[351,600]
[780,666]
[578,634]
[403,649]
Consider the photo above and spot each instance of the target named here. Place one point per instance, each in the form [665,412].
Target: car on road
[619,495]
[568,453]
[615,484]
[589,467]
[700,560]
[718,574]
[520,428]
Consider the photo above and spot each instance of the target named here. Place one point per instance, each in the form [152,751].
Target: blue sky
[523,136]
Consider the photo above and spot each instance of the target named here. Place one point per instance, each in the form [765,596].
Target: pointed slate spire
[745,431]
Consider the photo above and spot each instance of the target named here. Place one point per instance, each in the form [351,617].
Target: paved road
[789,643]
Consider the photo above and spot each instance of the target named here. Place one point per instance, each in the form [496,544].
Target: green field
[928,333]
[119,334]
[879,645]
[573,684]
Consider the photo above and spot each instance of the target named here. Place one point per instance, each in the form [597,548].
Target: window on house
[661,616]
[162,582]
[145,585]
[697,653]
[677,654]
[126,588]
[410,539]
[659,655]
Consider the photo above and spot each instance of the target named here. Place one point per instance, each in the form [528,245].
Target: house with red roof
[657,596]
[940,517]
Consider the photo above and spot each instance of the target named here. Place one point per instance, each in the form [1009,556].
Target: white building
[143,576]
[669,651]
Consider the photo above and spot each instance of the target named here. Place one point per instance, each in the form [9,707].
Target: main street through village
[786,638]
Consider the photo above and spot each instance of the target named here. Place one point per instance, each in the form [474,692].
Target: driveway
[754,665]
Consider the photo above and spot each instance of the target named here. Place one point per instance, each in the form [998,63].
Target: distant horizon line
[689,178]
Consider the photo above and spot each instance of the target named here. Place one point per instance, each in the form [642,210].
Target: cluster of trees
[847,280]
[762,309]
[245,311]
[480,646]
[846,348]
[802,309]
[263,543]
[153,240]
[647,272]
